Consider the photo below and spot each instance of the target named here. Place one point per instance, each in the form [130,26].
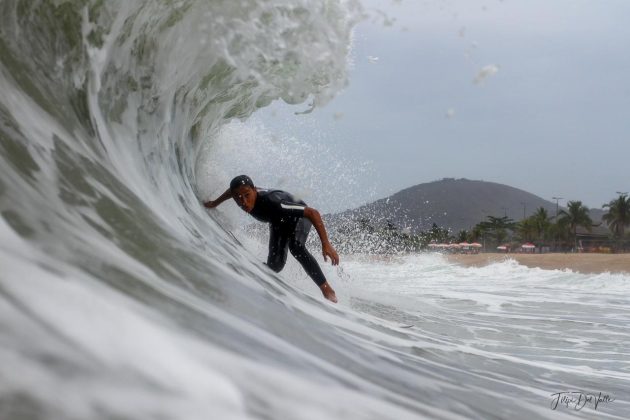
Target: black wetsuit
[288,229]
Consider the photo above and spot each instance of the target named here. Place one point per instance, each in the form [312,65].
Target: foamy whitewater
[122,297]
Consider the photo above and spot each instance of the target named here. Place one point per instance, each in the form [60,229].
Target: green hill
[454,204]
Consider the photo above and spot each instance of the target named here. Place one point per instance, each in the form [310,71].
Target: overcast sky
[530,93]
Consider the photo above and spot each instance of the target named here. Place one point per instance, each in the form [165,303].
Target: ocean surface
[121,297]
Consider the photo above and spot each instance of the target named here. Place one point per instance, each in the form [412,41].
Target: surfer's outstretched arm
[327,249]
[223,197]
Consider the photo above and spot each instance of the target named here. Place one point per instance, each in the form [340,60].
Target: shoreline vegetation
[559,242]
[582,263]
[568,231]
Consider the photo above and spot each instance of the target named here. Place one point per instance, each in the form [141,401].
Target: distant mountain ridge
[451,203]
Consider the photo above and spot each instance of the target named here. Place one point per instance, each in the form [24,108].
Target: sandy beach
[583,263]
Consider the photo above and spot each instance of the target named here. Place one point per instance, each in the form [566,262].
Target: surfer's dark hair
[241,180]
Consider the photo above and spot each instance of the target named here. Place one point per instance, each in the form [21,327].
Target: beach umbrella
[528,246]
[502,247]
[476,245]
[464,244]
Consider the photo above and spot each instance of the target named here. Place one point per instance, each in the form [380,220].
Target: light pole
[555,239]
[524,208]
[504,211]
[557,199]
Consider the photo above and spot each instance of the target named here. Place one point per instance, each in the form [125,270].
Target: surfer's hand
[329,251]
[210,204]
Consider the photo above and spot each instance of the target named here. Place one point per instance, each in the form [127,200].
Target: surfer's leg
[278,246]
[308,262]
[299,251]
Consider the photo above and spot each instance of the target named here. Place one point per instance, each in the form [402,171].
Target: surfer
[290,221]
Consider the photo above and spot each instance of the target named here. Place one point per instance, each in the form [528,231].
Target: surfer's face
[245,197]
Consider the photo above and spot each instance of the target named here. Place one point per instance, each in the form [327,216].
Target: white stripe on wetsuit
[294,207]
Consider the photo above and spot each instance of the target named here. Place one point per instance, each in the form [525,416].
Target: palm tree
[618,216]
[576,215]
[536,227]
[559,232]
[541,222]
[476,234]
[527,229]
[498,227]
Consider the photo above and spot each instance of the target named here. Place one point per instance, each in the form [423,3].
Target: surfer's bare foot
[328,292]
